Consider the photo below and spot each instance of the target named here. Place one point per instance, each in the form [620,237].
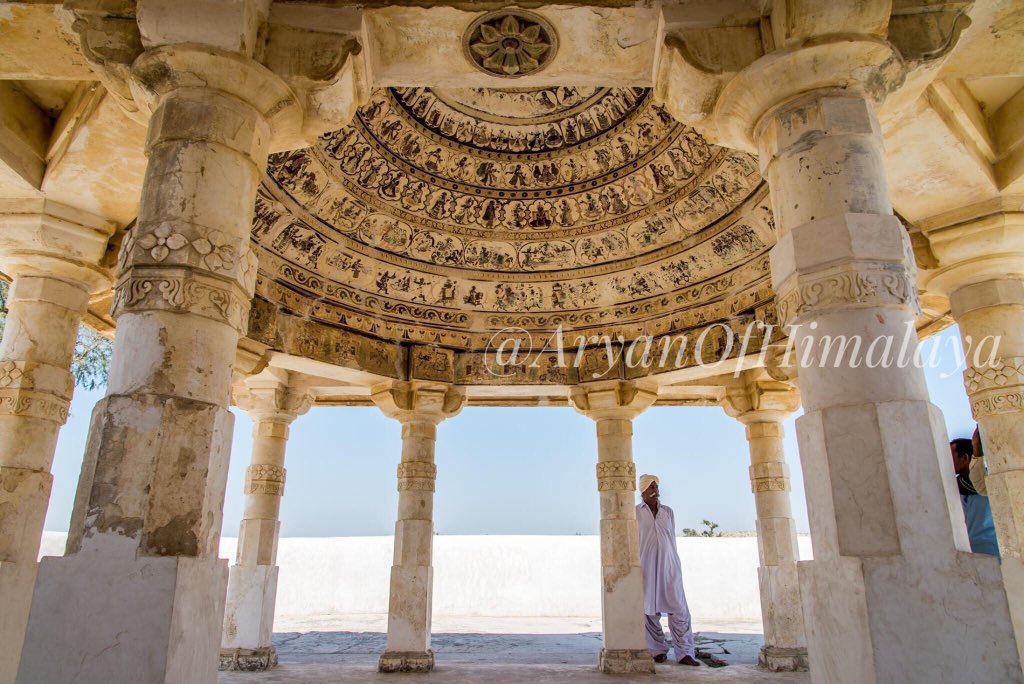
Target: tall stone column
[52,281]
[981,269]
[761,404]
[252,580]
[892,586]
[613,406]
[420,407]
[140,595]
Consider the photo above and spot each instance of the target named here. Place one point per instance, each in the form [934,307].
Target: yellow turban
[645,482]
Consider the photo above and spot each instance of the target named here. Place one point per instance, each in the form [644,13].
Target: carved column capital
[757,398]
[305,79]
[723,79]
[417,402]
[614,399]
[987,246]
[45,238]
[267,396]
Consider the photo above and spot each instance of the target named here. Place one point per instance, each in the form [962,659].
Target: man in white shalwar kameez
[663,577]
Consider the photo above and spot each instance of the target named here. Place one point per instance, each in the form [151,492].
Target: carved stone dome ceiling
[441,216]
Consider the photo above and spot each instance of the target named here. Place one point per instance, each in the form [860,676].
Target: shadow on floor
[363,648]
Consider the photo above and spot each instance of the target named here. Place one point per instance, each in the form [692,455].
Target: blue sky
[501,470]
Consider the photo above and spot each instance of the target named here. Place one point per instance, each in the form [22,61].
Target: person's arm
[978,475]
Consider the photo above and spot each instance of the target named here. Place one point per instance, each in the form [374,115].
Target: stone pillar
[892,587]
[981,260]
[761,404]
[613,406]
[252,580]
[140,595]
[420,407]
[45,303]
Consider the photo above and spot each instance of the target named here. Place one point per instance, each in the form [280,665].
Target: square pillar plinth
[166,611]
[408,645]
[892,594]
[249,619]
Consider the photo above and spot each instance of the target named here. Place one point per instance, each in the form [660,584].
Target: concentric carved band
[182,291]
[866,286]
[616,476]
[264,478]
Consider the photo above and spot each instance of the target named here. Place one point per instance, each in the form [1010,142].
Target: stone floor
[492,650]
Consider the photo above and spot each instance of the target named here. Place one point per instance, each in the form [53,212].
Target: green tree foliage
[709,532]
[91,362]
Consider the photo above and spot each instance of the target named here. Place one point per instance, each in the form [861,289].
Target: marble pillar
[51,284]
[761,404]
[252,580]
[613,406]
[146,525]
[981,262]
[892,590]
[420,407]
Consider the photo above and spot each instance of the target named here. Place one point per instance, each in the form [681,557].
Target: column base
[406,661]
[778,659]
[16,582]
[626,661]
[99,618]
[891,619]
[248,659]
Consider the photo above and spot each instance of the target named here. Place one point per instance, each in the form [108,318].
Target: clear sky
[501,470]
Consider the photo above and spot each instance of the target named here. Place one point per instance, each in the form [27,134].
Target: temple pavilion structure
[275,204]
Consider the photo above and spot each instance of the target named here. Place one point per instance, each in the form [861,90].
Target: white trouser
[682,634]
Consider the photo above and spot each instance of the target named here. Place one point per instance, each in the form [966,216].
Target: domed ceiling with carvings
[441,216]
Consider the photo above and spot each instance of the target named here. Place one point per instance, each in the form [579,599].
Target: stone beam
[38,43]
[419,46]
[24,134]
[96,157]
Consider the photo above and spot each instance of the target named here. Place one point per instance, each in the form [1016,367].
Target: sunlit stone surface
[424,207]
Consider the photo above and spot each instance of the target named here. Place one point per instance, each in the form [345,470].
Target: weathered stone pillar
[252,580]
[891,585]
[762,404]
[613,406]
[47,249]
[420,407]
[140,595]
[981,263]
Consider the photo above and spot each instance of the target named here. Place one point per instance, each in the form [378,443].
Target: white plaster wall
[497,575]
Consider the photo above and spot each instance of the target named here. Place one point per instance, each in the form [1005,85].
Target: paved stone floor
[493,651]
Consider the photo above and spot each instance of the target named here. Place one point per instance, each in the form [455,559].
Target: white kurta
[659,559]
